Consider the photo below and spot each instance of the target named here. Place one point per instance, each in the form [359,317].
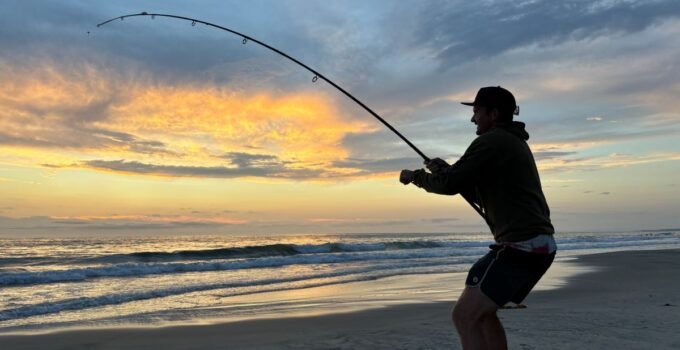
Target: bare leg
[474,316]
[494,334]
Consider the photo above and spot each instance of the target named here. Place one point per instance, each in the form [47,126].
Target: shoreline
[330,299]
[627,300]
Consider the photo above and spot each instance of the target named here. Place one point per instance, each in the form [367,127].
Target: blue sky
[190,112]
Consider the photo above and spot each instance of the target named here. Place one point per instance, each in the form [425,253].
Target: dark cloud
[71,222]
[64,137]
[369,166]
[58,166]
[150,147]
[460,31]
[34,22]
[172,49]
[474,43]
[250,160]
[273,170]
[542,155]
[119,136]
[601,193]
[441,220]
[130,141]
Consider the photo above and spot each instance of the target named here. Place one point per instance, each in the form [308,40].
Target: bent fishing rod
[317,76]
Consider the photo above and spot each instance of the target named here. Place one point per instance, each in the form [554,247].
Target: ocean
[59,282]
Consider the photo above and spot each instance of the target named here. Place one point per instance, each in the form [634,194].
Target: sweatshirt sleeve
[460,176]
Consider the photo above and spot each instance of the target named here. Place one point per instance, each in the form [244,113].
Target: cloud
[164,46]
[597,82]
[156,218]
[138,168]
[164,223]
[579,136]
[123,223]
[534,60]
[300,126]
[619,72]
[371,166]
[613,160]
[441,220]
[460,31]
[247,165]
[543,155]
[247,160]
[60,107]
[182,130]
[378,222]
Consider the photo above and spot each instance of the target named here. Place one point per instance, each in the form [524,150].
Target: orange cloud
[66,116]
[299,126]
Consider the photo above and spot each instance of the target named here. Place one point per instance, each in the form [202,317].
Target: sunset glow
[186,129]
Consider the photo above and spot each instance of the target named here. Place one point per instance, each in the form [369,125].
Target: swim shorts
[507,274]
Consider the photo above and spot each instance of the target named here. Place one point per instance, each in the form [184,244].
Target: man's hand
[406,176]
[436,165]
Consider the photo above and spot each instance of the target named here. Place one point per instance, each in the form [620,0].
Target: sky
[154,126]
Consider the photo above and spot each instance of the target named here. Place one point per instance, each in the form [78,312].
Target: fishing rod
[317,76]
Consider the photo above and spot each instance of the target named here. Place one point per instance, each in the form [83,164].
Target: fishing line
[317,76]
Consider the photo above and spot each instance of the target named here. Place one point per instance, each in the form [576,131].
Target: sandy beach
[628,300]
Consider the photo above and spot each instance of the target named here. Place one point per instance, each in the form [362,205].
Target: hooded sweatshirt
[498,172]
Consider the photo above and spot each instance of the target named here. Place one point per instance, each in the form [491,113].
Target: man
[497,173]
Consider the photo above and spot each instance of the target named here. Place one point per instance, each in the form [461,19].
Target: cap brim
[468,103]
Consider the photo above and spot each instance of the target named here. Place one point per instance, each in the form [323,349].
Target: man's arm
[459,177]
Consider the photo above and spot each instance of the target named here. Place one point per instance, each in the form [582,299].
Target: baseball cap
[495,96]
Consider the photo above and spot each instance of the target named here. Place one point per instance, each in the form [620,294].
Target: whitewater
[50,283]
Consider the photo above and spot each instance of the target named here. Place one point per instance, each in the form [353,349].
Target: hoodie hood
[515,128]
